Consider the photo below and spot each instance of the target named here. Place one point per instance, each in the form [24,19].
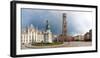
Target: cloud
[77,22]
[81,22]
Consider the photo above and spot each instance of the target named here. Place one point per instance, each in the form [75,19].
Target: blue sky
[78,22]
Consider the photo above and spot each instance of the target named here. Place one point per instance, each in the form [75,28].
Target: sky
[78,22]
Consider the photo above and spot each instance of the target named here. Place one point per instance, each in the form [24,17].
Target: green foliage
[47,44]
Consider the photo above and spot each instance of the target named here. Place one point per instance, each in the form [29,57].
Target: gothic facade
[32,35]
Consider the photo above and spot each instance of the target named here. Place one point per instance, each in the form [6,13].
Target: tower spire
[47,25]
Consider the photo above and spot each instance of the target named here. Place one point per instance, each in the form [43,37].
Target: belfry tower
[64,28]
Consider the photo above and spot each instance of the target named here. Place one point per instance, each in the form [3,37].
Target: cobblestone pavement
[77,44]
[66,44]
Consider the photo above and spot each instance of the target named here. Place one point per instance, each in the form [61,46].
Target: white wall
[5,28]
